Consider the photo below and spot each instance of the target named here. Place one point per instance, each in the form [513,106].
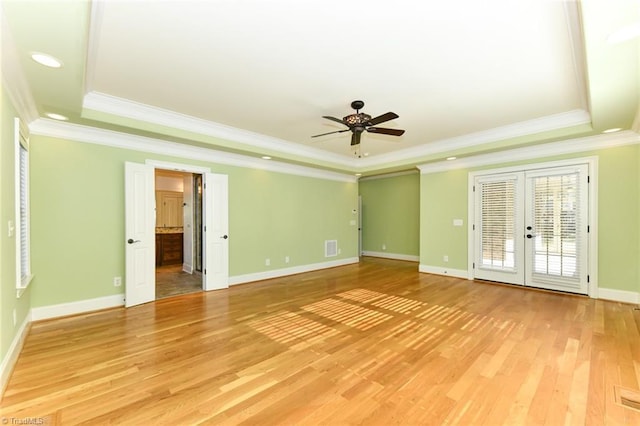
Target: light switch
[457,222]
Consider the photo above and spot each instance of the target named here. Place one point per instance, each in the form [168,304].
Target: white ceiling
[464,76]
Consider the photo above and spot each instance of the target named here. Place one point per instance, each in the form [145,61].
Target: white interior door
[216,231]
[140,279]
[531,228]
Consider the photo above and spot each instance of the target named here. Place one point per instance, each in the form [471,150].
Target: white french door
[140,232]
[531,228]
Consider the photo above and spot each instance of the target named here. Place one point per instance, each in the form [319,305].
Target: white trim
[396,256]
[438,270]
[276,273]
[77,307]
[524,128]
[100,102]
[121,107]
[619,295]
[11,357]
[177,167]
[570,146]
[592,220]
[390,175]
[86,134]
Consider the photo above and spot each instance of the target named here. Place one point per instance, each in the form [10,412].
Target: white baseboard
[396,256]
[81,306]
[459,273]
[266,275]
[10,359]
[618,295]
[187,268]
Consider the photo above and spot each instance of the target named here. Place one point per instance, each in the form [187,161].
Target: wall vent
[330,248]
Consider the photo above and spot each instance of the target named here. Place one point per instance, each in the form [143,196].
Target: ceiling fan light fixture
[355,119]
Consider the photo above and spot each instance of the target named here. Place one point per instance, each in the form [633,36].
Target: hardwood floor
[376,343]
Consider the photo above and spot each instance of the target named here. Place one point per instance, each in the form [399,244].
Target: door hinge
[205,271]
[205,228]
[588,179]
[588,278]
[473,265]
[473,227]
[588,228]
[474,188]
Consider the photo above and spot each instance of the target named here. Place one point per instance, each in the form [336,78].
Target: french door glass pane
[497,231]
[556,224]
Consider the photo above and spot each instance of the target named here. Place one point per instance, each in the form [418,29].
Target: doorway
[140,229]
[532,227]
[178,197]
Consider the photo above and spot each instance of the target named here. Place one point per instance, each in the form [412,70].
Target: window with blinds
[556,223]
[497,224]
[23,251]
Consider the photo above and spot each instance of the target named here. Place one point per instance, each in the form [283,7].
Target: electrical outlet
[117,281]
[339,251]
[267,262]
[286,259]
[445,258]
[384,247]
[15,317]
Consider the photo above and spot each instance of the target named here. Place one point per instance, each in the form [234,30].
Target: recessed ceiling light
[46,60]
[626,33]
[451,158]
[358,174]
[366,154]
[612,130]
[266,157]
[56,116]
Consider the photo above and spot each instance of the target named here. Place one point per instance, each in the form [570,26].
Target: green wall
[78,218]
[444,197]
[9,302]
[391,214]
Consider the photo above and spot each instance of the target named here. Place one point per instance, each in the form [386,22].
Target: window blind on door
[497,224]
[24,214]
[556,201]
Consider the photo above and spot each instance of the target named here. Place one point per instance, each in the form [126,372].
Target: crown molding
[13,80]
[522,128]
[103,103]
[390,175]
[570,146]
[92,135]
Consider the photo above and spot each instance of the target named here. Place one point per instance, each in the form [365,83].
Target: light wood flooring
[375,344]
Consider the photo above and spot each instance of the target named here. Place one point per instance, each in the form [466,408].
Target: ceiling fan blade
[355,138]
[337,120]
[382,118]
[329,133]
[384,131]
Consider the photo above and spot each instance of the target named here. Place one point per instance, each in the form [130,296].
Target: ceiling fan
[361,122]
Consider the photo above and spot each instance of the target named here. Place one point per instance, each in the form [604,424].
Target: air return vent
[627,397]
[330,248]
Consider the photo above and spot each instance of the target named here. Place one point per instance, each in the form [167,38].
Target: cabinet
[169,212]
[168,249]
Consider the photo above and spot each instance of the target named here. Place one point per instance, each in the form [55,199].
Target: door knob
[529,228]
[225,237]
[529,236]
[131,241]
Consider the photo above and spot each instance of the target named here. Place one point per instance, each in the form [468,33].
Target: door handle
[529,236]
[225,237]
[131,241]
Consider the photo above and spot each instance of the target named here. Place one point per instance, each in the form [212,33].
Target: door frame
[592,213]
